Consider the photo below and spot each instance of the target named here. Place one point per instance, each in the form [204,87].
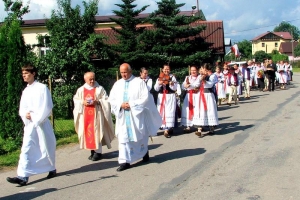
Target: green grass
[64,133]
[296,69]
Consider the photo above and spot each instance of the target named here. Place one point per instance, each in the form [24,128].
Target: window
[276,44]
[263,44]
[44,50]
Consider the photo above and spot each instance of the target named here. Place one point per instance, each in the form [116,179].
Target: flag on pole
[235,50]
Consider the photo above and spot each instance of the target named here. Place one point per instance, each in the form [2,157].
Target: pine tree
[12,58]
[172,40]
[126,50]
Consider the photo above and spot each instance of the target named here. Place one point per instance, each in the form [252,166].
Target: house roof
[286,47]
[283,35]
[213,34]
[103,19]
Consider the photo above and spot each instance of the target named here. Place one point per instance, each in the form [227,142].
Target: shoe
[96,157]
[229,104]
[91,156]
[16,180]
[235,103]
[51,174]
[123,167]
[187,129]
[146,157]
[166,134]
[198,133]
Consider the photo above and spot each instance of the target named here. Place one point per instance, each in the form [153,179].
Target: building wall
[266,45]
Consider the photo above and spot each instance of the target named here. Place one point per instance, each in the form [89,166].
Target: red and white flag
[235,50]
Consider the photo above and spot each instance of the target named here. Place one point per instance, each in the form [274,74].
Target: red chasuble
[89,118]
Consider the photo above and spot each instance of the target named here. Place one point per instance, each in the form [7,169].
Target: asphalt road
[254,155]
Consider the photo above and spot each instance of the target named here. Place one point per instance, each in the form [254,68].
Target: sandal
[166,134]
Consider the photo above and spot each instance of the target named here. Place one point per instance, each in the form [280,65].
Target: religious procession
[138,116]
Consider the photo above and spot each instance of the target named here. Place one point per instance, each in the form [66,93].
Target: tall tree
[172,40]
[297,51]
[126,50]
[12,57]
[245,48]
[287,27]
[73,44]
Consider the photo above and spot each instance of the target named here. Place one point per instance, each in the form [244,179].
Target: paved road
[254,155]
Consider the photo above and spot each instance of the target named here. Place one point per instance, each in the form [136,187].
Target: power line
[259,27]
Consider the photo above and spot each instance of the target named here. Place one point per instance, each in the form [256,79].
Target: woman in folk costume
[239,87]
[207,115]
[191,85]
[166,101]
[260,73]
[289,72]
[220,85]
[225,73]
[266,79]
[145,77]
[282,75]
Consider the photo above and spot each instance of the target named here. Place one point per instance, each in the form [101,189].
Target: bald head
[89,78]
[125,71]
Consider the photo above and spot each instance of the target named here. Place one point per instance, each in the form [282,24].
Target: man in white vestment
[136,117]
[39,143]
[92,117]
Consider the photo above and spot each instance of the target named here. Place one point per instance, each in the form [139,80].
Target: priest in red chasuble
[92,117]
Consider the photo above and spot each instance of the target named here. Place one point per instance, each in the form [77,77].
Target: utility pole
[198,9]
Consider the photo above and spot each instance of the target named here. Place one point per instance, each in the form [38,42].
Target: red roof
[99,19]
[286,47]
[213,34]
[283,35]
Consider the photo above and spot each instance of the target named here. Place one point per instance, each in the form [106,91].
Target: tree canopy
[13,53]
[287,27]
[126,50]
[172,39]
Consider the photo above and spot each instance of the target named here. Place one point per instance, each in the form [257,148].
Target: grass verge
[296,69]
[64,132]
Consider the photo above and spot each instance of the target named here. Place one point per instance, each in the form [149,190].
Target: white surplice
[103,125]
[144,119]
[39,143]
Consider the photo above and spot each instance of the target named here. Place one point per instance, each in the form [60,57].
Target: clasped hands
[125,106]
[90,102]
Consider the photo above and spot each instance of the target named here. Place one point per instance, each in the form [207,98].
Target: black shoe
[16,180]
[51,174]
[123,167]
[91,156]
[96,156]
[146,157]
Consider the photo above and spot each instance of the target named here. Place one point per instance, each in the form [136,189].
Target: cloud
[237,15]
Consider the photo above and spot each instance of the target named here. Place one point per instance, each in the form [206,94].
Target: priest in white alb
[92,117]
[137,118]
[39,143]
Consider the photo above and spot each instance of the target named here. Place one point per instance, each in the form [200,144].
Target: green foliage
[172,40]
[245,48]
[12,57]
[297,50]
[287,27]
[260,56]
[73,46]
[126,50]
[229,57]
[278,57]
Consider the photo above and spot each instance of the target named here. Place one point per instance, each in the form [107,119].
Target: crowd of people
[138,118]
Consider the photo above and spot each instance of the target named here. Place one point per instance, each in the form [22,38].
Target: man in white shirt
[39,143]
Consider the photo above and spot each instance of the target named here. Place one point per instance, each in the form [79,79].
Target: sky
[242,19]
